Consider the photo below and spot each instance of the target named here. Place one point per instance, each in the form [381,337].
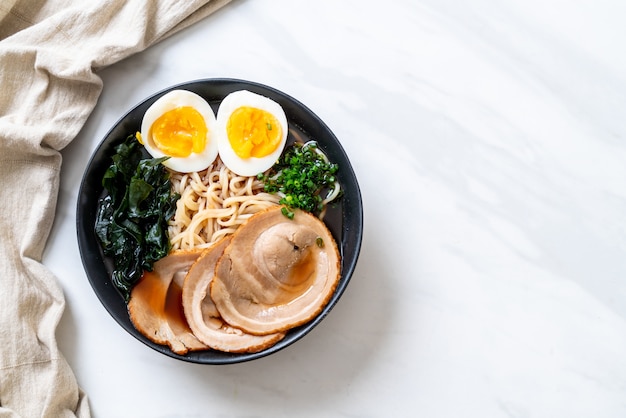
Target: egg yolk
[179,132]
[253,132]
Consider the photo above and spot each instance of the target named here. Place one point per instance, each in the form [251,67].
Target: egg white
[170,101]
[252,165]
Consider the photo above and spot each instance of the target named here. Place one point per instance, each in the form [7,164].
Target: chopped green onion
[287,212]
[301,174]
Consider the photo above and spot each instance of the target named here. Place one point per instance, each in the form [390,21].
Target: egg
[251,132]
[180,125]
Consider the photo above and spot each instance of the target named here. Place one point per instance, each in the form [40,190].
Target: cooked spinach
[132,217]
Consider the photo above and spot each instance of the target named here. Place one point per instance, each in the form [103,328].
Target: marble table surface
[489,141]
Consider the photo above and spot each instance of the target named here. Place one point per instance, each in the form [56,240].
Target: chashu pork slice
[277,273]
[155,307]
[203,317]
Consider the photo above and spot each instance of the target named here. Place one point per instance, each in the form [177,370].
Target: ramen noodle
[212,204]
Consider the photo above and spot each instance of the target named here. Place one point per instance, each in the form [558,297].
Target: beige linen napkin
[50,51]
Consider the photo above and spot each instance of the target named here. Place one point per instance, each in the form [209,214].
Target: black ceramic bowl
[344,218]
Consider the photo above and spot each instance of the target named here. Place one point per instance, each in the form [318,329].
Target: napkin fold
[50,51]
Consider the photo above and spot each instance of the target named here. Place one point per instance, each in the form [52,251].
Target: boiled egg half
[251,132]
[180,125]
